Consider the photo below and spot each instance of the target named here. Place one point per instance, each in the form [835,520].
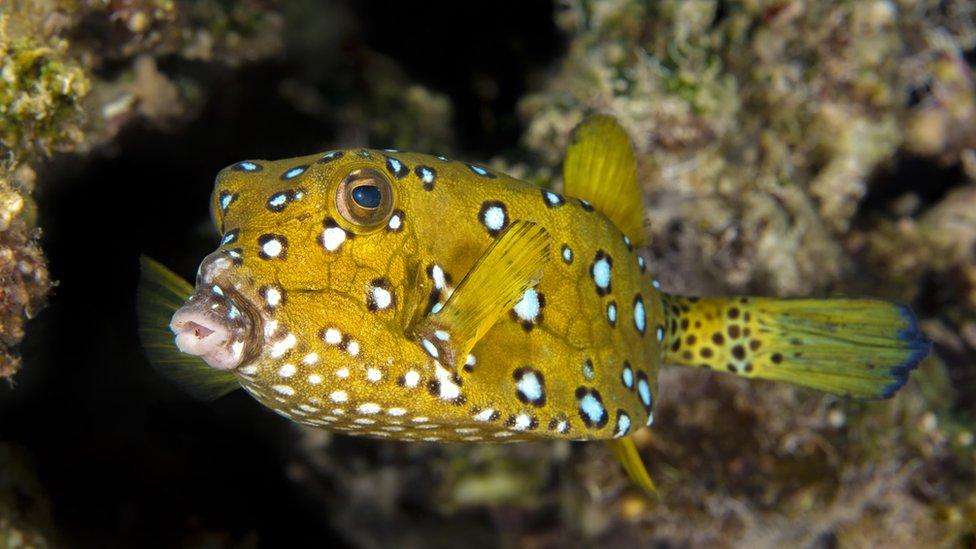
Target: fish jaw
[213,327]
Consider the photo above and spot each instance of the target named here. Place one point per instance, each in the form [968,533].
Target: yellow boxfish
[415,297]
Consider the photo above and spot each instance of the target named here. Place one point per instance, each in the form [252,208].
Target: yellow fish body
[414,297]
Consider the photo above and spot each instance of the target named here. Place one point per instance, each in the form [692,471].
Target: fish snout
[215,328]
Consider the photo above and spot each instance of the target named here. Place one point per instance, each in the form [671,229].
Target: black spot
[483,172]
[266,238]
[739,352]
[748,367]
[731,368]
[734,331]
[718,338]
[684,323]
[489,205]
[586,205]
[518,375]
[552,199]
[706,352]
[776,358]
[433,299]
[427,175]
[384,284]
[690,340]
[402,217]
[734,313]
[396,167]
[754,344]
[293,172]
[329,157]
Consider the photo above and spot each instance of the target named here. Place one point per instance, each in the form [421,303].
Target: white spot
[310,359]
[627,240]
[225,201]
[448,389]
[216,289]
[553,199]
[364,421]
[374,375]
[382,297]
[270,327]
[530,386]
[522,422]
[338,411]
[369,408]
[272,248]
[601,273]
[395,222]
[612,313]
[342,373]
[436,308]
[285,390]
[295,172]
[307,408]
[411,379]
[484,415]
[280,347]
[429,347]
[437,274]
[567,254]
[353,348]
[420,419]
[431,439]
[272,296]
[442,335]
[623,426]
[639,319]
[656,284]
[314,379]
[286,370]
[397,412]
[471,361]
[248,370]
[588,370]
[644,390]
[650,419]
[333,336]
[278,200]
[640,262]
[503,434]
[562,426]
[660,334]
[333,237]
[466,430]
[528,306]
[494,218]
[592,408]
[339,396]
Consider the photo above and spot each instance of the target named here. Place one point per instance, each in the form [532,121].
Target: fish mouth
[216,325]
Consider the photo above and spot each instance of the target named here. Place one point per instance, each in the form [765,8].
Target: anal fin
[626,452]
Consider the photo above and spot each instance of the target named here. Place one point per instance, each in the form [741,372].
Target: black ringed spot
[478,170]
[272,246]
[493,216]
[247,166]
[427,176]
[396,167]
[292,173]
[329,157]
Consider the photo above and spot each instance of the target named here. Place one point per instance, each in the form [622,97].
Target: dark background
[122,454]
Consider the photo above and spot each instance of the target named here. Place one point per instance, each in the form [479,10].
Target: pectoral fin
[161,292]
[510,266]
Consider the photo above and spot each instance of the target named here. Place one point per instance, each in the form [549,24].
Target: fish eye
[365,197]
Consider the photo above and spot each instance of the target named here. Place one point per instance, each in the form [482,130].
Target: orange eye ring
[365,198]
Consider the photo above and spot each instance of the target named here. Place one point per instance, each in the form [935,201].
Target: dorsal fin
[600,168]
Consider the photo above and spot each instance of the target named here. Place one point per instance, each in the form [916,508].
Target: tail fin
[852,347]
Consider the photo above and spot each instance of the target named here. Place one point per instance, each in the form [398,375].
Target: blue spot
[919,347]
[294,172]
[247,166]
[639,315]
[442,158]
[225,199]
[481,171]
[330,156]
[391,150]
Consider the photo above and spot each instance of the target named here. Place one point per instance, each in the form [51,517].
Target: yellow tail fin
[626,452]
[852,347]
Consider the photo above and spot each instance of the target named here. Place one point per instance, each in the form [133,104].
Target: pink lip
[212,327]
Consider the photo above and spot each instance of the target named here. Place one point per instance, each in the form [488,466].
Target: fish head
[310,266]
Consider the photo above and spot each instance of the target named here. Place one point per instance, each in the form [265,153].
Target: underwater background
[786,148]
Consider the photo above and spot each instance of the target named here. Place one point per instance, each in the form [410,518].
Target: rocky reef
[786,148]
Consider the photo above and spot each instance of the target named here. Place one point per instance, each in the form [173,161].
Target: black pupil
[367,196]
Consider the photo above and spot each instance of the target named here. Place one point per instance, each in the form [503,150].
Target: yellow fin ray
[161,292]
[600,168]
[626,452]
[510,266]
